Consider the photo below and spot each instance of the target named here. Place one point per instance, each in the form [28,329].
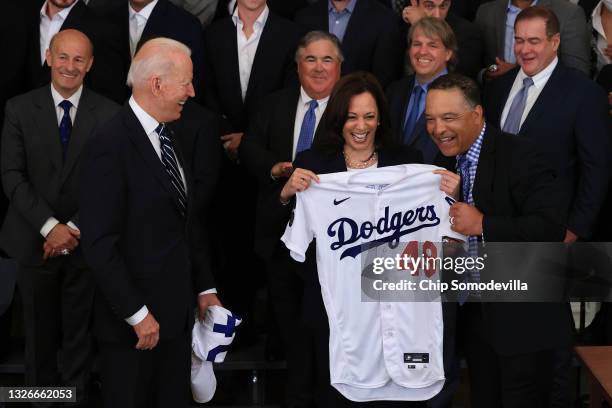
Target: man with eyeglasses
[468,35]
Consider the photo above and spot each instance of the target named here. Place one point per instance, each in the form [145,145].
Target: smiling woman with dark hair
[357,137]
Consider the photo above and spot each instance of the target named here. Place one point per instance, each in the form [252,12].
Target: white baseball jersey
[377,350]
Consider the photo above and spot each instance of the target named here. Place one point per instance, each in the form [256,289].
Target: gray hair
[313,36]
[158,63]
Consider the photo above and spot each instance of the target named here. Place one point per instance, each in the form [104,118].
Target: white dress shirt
[247,47]
[539,82]
[138,21]
[57,99]
[50,26]
[302,108]
[149,124]
[601,43]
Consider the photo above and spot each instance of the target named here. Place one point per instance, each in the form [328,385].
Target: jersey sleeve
[298,232]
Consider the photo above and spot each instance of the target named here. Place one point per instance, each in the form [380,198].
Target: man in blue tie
[566,115]
[43,136]
[286,124]
[142,236]
[432,50]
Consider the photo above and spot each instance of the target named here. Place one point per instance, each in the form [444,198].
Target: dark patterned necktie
[65,126]
[169,161]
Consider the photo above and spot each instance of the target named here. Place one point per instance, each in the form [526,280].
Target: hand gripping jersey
[377,350]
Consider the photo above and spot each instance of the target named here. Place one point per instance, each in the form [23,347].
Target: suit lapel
[123,16]
[84,122]
[550,95]
[485,172]
[287,121]
[501,91]
[35,62]
[321,17]
[500,25]
[46,121]
[420,131]
[231,65]
[352,35]
[405,101]
[141,141]
[154,22]
[262,55]
[75,16]
[180,157]
[337,164]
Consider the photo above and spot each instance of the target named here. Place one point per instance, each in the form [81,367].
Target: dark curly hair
[336,113]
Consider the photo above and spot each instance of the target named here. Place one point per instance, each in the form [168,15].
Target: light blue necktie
[168,159]
[65,126]
[513,120]
[308,127]
[413,115]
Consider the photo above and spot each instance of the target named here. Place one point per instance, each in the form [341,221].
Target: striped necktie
[169,161]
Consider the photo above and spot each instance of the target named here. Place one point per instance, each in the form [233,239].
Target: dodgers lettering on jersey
[377,350]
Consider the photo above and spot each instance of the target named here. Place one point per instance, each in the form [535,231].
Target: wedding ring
[67,252]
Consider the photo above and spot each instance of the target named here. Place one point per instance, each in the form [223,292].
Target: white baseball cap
[209,343]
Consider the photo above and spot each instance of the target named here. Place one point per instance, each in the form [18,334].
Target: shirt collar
[258,24]
[148,122]
[512,7]
[596,18]
[473,153]
[540,79]
[425,86]
[74,98]
[145,12]
[304,98]
[62,14]
[349,7]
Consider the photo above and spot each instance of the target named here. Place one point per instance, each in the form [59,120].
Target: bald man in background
[42,138]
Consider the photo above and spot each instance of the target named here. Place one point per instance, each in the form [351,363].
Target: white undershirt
[247,47]
[539,82]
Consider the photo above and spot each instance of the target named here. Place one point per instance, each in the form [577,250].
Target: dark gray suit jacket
[574,50]
[36,180]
